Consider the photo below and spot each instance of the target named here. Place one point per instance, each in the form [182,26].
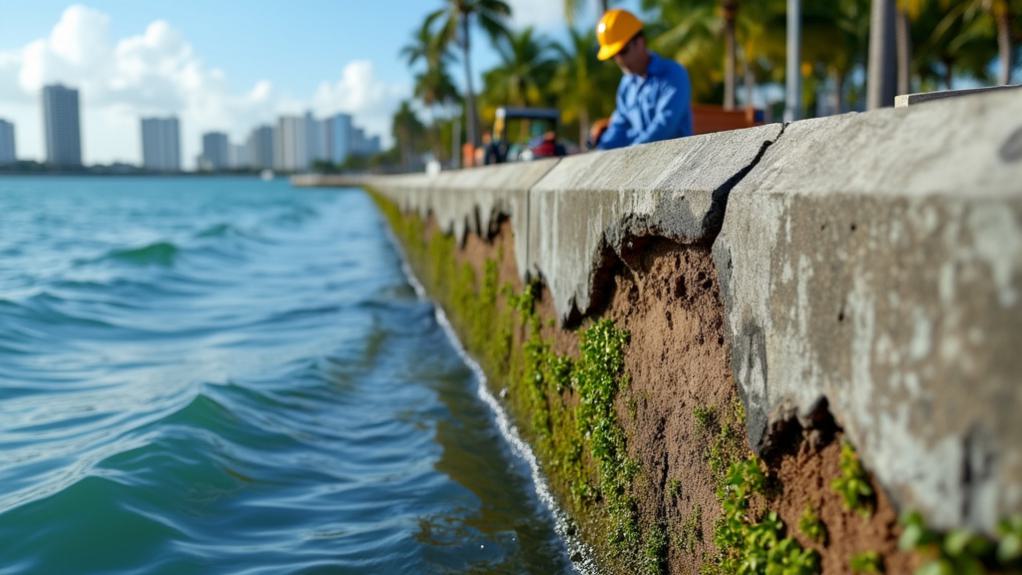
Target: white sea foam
[574,547]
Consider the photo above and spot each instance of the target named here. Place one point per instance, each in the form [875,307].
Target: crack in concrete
[714,218]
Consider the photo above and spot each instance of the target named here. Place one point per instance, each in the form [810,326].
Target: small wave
[158,253]
[216,231]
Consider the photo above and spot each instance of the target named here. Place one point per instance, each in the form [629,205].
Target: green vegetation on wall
[565,405]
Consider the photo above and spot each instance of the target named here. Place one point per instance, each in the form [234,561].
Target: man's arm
[616,134]
[671,108]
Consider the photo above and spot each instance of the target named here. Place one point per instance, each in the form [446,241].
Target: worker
[654,96]
[493,151]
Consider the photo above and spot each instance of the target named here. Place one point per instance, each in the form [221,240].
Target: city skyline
[308,140]
[142,60]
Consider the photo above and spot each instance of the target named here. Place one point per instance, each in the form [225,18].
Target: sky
[225,65]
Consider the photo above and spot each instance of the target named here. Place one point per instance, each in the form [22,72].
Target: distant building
[8,154]
[215,151]
[339,137]
[62,126]
[300,141]
[236,157]
[161,144]
[259,148]
[291,144]
[361,145]
[316,134]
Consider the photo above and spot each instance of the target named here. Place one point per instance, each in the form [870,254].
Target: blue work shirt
[651,108]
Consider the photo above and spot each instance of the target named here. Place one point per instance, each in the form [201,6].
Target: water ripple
[229,376]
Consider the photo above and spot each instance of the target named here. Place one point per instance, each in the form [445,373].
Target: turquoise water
[234,376]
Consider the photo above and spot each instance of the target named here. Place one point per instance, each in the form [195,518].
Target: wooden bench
[707,119]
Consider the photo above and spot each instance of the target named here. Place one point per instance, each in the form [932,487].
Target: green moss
[852,484]
[866,562]
[961,551]
[654,552]
[810,525]
[691,531]
[564,405]
[706,418]
[673,488]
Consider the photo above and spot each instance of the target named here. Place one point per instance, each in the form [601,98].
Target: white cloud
[157,72]
[545,15]
[360,93]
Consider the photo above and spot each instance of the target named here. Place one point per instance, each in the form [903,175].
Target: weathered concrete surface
[593,202]
[875,260]
[329,180]
[905,100]
[471,200]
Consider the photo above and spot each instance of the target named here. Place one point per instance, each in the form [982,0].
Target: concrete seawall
[870,271]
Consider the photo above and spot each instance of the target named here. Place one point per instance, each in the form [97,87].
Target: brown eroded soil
[666,296]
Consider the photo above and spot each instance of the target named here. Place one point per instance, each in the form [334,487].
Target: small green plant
[724,449]
[1009,549]
[705,416]
[691,530]
[810,525]
[853,484]
[961,551]
[654,553]
[674,488]
[866,562]
[753,546]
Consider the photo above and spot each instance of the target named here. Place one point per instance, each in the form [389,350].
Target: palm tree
[573,7]
[407,131]
[837,37]
[524,71]
[433,85]
[729,9]
[584,86]
[691,20]
[954,37]
[690,36]
[456,19]
[425,47]
[1002,12]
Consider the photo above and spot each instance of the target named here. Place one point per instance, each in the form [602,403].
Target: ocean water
[223,375]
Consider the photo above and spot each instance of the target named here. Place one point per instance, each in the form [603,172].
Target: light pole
[793,72]
[883,72]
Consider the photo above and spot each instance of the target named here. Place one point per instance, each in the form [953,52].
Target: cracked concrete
[875,260]
[870,260]
[592,203]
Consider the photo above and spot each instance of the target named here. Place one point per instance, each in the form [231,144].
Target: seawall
[842,297]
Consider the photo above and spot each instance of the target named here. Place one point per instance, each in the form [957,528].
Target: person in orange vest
[654,98]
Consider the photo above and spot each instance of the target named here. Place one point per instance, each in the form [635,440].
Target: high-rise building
[339,136]
[8,154]
[315,134]
[161,144]
[259,148]
[300,141]
[62,126]
[291,144]
[215,150]
[362,145]
[236,156]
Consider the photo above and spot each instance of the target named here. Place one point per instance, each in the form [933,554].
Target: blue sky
[222,65]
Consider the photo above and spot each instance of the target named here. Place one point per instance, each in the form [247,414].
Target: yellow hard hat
[615,29]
